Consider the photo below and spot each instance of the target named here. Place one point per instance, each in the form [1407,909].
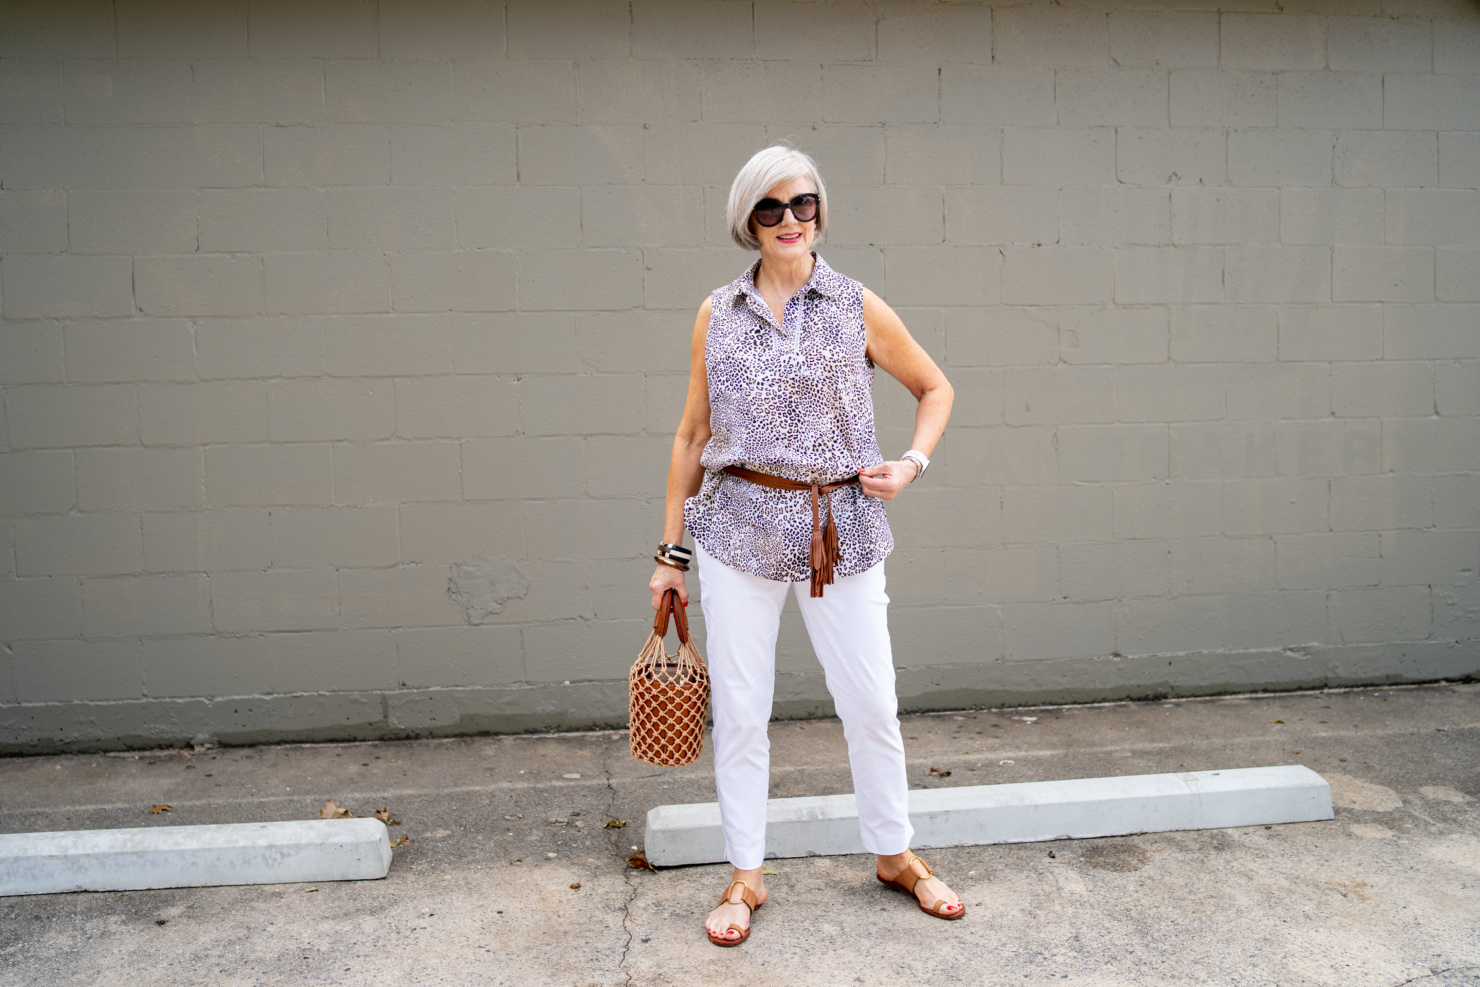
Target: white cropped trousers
[849,629]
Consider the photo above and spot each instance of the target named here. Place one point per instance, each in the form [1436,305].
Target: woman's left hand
[886,480]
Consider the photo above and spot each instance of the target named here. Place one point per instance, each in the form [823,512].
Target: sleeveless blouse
[793,400]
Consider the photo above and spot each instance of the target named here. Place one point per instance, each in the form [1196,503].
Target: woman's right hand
[665,577]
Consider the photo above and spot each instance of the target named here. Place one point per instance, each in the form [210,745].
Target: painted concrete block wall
[344,340]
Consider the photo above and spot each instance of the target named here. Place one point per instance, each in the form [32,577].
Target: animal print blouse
[793,400]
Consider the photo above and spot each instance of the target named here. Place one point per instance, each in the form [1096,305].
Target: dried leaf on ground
[576,886]
[402,841]
[638,862]
[770,872]
[384,815]
[615,824]
[332,811]
[159,807]
[939,773]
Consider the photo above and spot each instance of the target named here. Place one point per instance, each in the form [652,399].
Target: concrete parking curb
[1018,813]
[194,856]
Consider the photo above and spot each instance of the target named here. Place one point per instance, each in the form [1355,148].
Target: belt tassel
[824,554]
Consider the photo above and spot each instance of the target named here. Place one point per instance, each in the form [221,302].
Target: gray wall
[343,344]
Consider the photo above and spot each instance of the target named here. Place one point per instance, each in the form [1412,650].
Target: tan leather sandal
[909,889]
[746,898]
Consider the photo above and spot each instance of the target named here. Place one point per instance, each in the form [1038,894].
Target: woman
[777,472]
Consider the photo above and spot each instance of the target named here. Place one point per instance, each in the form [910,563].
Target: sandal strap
[747,896]
[909,869]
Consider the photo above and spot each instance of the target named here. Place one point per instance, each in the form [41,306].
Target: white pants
[850,633]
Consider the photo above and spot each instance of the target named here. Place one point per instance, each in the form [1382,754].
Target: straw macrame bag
[668,694]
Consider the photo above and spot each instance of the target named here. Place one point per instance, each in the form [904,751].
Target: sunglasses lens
[804,208]
[768,212]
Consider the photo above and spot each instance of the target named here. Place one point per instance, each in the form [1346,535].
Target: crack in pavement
[1438,973]
[614,839]
[626,915]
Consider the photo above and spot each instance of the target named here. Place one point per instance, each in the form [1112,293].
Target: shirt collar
[824,281]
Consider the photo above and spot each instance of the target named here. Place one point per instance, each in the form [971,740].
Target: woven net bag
[668,694]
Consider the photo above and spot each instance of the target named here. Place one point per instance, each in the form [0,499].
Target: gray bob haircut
[763,172]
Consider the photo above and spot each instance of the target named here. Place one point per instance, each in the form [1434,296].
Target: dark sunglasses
[770,212]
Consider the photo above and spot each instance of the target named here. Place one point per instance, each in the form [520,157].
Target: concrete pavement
[1388,893]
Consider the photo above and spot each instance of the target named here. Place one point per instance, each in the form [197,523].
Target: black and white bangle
[919,459]
[675,553]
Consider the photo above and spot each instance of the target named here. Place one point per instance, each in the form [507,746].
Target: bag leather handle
[671,604]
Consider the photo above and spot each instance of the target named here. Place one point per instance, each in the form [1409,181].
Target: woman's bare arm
[894,350]
[685,473]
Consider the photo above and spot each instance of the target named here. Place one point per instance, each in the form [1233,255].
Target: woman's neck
[784,278]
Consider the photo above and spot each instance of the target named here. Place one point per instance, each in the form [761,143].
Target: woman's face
[787,241]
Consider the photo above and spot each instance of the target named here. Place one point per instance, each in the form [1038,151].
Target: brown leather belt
[824,553]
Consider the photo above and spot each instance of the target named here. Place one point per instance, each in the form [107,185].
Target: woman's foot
[909,873]
[733,911]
